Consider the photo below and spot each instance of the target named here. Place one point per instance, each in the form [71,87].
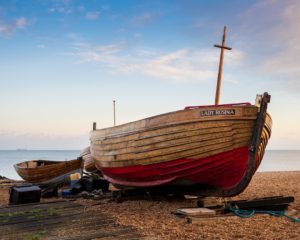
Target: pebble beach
[154,220]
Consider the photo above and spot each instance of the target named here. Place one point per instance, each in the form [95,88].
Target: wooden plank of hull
[148,136]
[171,146]
[165,145]
[50,170]
[143,142]
[197,151]
[137,140]
[88,160]
[265,135]
[186,150]
[149,133]
[172,139]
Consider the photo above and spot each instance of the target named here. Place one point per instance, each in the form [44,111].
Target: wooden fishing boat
[203,150]
[211,150]
[41,171]
[88,161]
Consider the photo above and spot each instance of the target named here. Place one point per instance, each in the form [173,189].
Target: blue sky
[62,62]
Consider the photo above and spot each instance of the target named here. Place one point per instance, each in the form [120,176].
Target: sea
[274,160]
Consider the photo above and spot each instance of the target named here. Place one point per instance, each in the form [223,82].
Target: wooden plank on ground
[195,211]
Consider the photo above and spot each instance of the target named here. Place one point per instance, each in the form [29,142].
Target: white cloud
[105,8]
[143,19]
[106,54]
[41,46]
[81,8]
[74,36]
[9,28]
[179,65]
[21,22]
[286,59]
[138,35]
[274,27]
[6,29]
[92,15]
[63,7]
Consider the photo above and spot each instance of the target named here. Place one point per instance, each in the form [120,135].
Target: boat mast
[220,65]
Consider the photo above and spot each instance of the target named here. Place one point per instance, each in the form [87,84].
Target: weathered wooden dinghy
[88,161]
[206,150]
[41,171]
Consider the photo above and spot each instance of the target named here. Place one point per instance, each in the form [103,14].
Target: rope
[249,213]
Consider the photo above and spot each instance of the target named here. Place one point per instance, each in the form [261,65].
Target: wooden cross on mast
[220,65]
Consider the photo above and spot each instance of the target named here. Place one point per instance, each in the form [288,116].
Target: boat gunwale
[93,132]
[52,163]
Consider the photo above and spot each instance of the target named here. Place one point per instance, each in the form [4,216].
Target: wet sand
[154,219]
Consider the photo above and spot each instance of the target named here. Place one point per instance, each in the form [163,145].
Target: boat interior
[36,163]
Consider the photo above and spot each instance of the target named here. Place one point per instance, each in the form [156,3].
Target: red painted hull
[224,170]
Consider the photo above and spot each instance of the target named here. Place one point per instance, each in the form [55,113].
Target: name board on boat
[218,112]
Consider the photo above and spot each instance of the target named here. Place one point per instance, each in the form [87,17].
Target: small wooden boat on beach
[203,150]
[41,171]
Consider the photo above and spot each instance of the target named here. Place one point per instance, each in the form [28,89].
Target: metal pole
[114,104]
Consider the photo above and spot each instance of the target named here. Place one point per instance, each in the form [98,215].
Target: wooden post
[217,99]
[94,126]
[114,103]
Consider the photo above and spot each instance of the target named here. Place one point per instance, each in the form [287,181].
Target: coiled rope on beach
[249,213]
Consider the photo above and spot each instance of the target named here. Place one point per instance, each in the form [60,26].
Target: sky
[63,62]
